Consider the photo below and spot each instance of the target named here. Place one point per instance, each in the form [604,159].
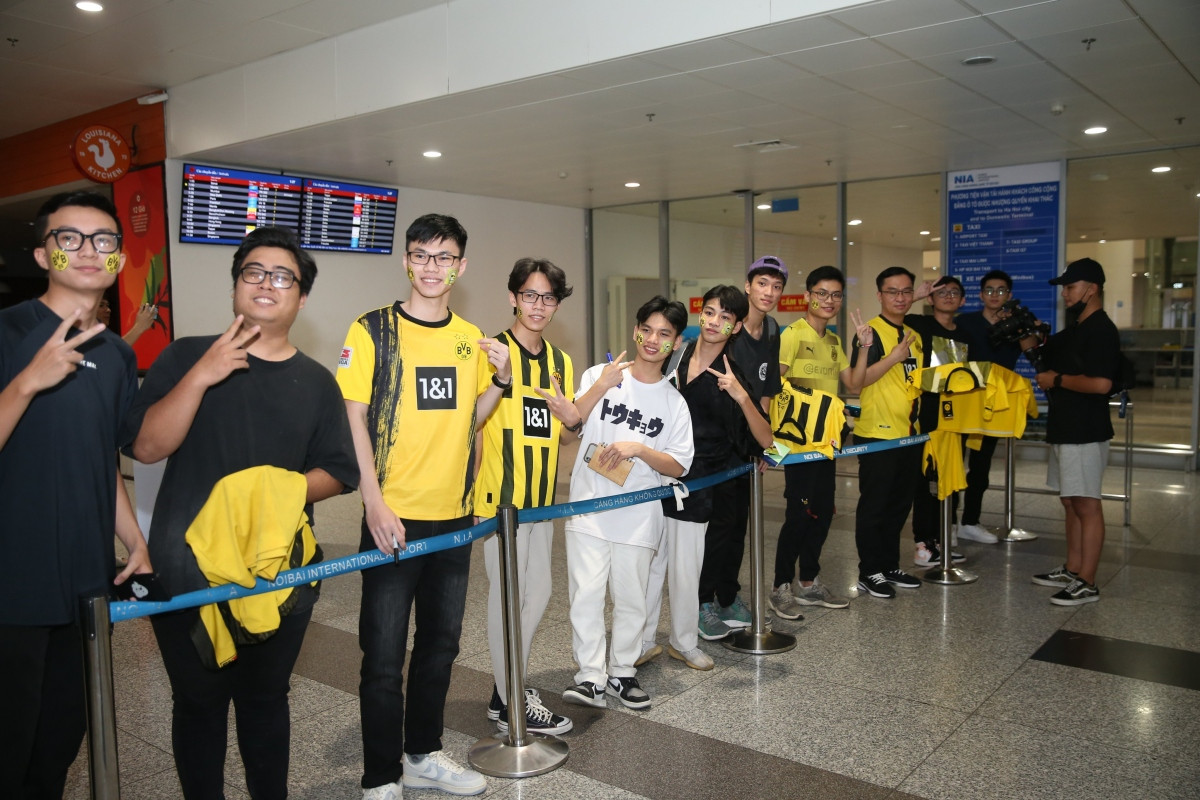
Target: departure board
[347,217]
[221,205]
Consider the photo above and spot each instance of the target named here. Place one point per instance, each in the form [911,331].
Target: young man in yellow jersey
[416,378]
[885,477]
[811,357]
[520,466]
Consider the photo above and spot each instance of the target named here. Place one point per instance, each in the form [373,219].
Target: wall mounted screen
[221,205]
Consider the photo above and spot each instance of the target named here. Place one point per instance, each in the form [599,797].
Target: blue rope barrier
[852,450]
[123,610]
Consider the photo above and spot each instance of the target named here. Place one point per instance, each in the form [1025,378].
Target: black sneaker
[901,579]
[877,586]
[1076,593]
[1059,576]
[495,705]
[629,692]
[538,719]
[585,694]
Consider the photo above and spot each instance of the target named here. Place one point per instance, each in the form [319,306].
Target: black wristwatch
[500,384]
[1058,380]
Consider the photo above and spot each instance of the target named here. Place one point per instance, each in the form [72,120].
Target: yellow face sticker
[520,313]
[637,337]
[668,346]
[451,277]
[59,259]
[112,263]
[411,277]
[727,328]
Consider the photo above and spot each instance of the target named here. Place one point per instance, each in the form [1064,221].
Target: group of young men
[254,432]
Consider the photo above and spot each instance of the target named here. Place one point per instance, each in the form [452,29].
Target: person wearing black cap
[1081,364]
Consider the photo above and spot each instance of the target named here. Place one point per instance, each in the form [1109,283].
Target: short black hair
[825,273]
[673,310]
[892,272]
[284,239]
[996,275]
[83,199]
[433,227]
[942,281]
[527,266]
[731,299]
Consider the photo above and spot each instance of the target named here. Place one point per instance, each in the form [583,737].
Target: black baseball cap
[1085,269]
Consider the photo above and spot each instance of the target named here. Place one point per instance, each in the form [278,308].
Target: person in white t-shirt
[633,410]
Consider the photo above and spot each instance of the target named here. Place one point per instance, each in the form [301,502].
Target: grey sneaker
[438,771]
[1059,576]
[736,614]
[694,658]
[1076,593]
[389,791]
[817,595]
[783,604]
[585,694]
[710,626]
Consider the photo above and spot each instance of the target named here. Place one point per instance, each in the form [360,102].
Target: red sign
[695,305]
[101,154]
[793,302]
[141,201]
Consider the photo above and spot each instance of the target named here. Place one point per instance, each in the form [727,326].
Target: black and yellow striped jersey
[808,420]
[888,412]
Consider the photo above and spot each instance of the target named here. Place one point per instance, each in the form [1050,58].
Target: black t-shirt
[720,433]
[759,359]
[976,328]
[287,414]
[58,472]
[934,336]
[1093,348]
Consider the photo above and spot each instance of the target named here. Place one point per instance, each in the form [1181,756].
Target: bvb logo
[557,376]
[463,350]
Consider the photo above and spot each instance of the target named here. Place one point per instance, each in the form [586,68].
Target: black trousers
[725,541]
[43,709]
[257,684]
[885,485]
[979,464]
[808,489]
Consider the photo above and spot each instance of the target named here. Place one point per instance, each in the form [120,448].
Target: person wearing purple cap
[1080,366]
[755,350]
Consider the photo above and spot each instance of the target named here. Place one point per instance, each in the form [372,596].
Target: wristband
[576,428]
[1058,381]
[500,384]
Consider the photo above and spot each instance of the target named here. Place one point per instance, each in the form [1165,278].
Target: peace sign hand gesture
[728,382]
[57,358]
[865,333]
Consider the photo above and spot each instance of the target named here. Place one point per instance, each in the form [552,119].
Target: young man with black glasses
[417,380]
[995,289]
[66,383]
[254,433]
[520,466]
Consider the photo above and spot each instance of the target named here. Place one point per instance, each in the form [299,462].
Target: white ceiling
[874,91]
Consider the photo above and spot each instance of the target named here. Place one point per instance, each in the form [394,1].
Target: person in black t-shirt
[1082,362]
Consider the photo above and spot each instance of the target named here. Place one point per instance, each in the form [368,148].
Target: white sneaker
[439,771]
[977,533]
[389,791]
[650,651]
[694,658]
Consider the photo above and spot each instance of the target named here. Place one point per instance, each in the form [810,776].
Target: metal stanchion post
[758,639]
[1011,533]
[520,753]
[946,572]
[101,709]
[1128,458]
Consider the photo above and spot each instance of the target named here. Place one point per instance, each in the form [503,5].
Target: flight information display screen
[221,205]
[348,217]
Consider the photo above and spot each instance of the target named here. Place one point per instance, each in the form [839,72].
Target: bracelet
[863,346]
[501,385]
[576,428]
[1058,380]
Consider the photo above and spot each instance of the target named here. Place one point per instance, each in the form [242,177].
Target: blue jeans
[436,584]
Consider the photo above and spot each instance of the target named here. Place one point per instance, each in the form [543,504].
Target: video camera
[1018,322]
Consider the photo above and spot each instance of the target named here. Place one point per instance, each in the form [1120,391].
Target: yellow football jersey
[808,420]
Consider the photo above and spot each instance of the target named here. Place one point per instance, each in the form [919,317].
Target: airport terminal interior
[660,146]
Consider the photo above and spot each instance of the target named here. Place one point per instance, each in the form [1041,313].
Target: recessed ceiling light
[1095,130]
[978,61]
[855,222]
[432,154]
[89,6]
[1176,285]
[1083,236]
[935,238]
[1104,241]
[763,206]
[924,233]
[1161,169]
[632,184]
[850,243]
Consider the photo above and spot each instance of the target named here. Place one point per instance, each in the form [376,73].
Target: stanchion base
[494,756]
[759,644]
[1018,535]
[949,577]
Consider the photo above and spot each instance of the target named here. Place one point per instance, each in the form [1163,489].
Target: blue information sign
[1006,218]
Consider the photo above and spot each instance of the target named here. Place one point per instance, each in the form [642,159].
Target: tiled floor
[944,692]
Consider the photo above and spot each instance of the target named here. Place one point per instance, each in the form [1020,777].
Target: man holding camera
[1078,368]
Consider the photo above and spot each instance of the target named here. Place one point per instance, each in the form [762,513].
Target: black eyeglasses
[421,258]
[70,240]
[280,279]
[821,295]
[948,294]
[531,297]
[991,291]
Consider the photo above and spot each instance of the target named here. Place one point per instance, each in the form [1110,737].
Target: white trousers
[591,564]
[678,558]
[535,541]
